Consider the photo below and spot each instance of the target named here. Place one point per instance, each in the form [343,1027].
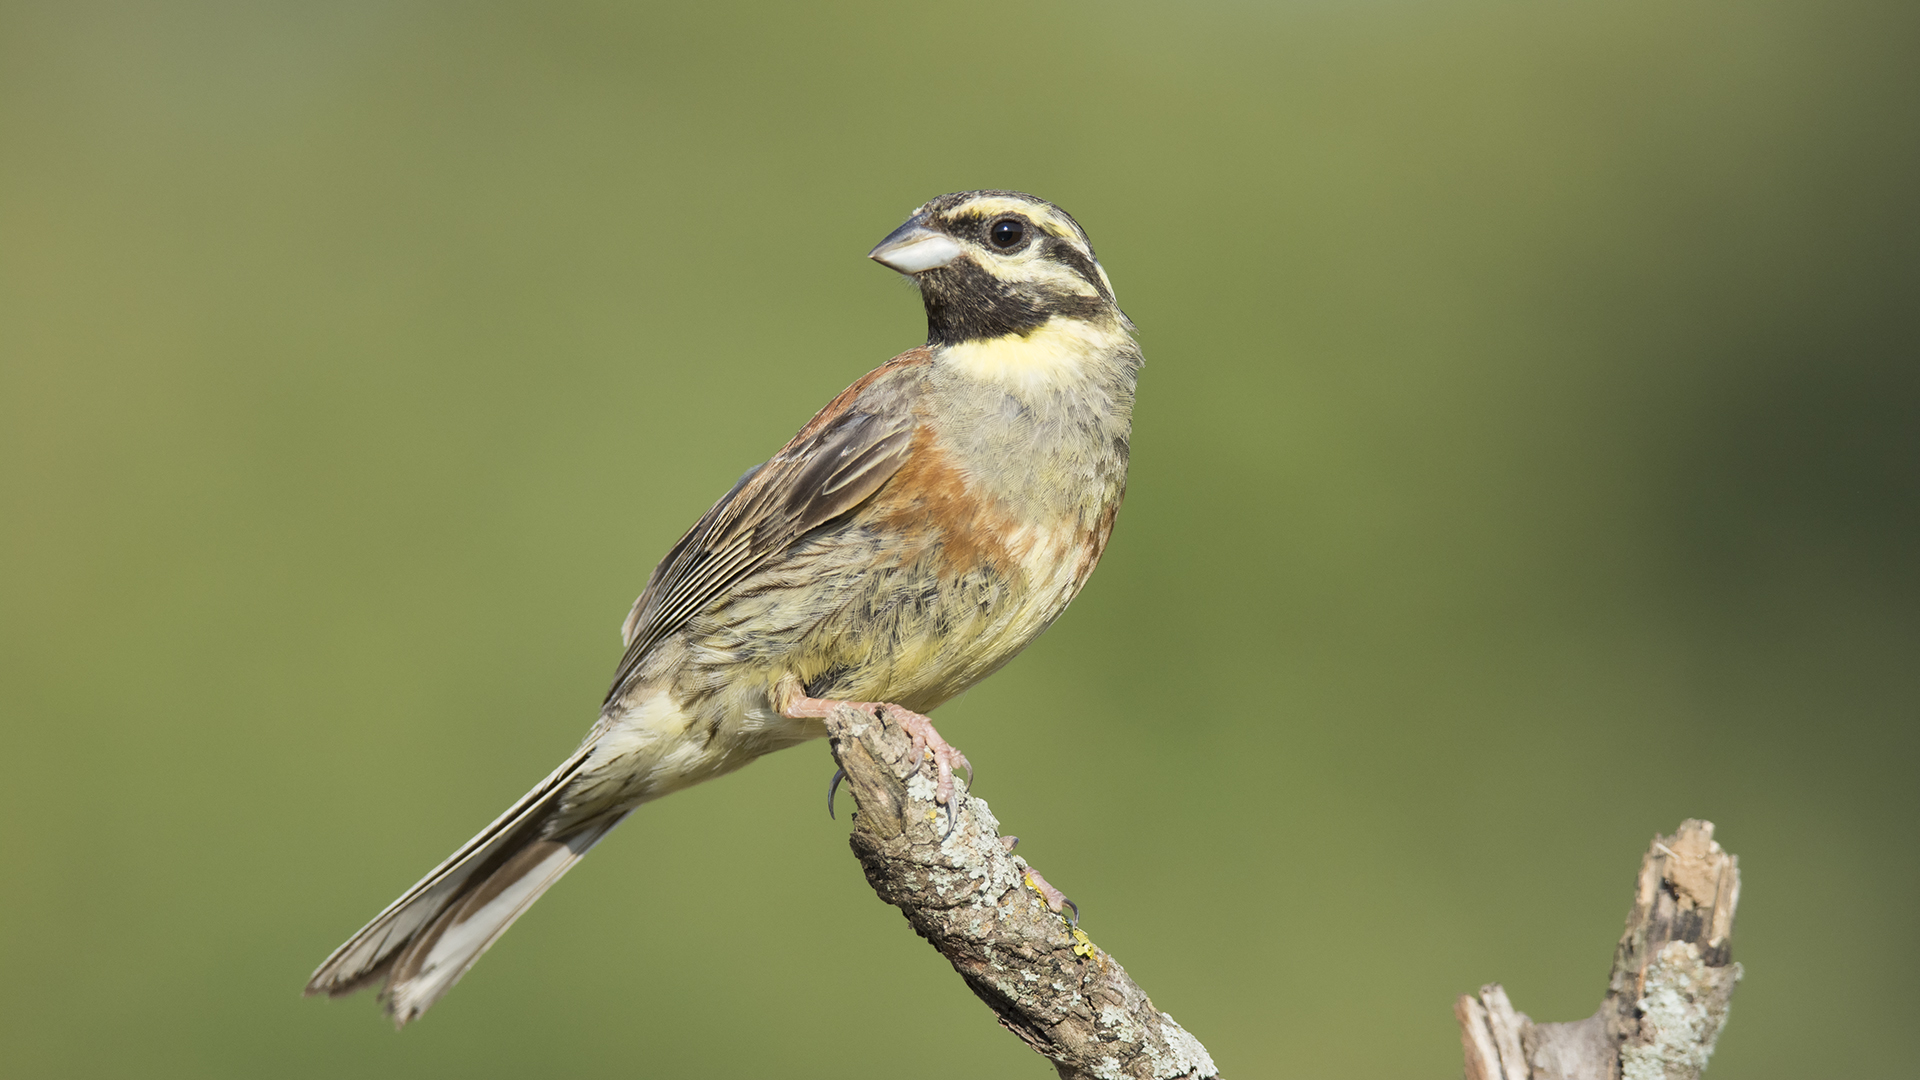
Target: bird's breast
[992,526]
[966,554]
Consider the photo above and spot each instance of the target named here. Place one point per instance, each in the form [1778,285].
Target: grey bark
[1673,974]
[970,897]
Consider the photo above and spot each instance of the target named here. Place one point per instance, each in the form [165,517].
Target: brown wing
[833,465]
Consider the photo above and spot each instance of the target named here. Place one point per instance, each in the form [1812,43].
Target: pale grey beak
[913,247]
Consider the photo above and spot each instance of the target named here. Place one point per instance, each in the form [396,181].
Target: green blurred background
[1528,457]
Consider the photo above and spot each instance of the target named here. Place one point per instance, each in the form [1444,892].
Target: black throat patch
[966,303]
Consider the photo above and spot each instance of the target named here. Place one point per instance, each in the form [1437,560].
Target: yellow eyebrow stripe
[1039,213]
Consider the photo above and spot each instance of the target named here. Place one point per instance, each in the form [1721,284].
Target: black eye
[1007,233]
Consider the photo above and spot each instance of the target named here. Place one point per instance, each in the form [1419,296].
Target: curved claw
[927,742]
[1052,897]
[839,775]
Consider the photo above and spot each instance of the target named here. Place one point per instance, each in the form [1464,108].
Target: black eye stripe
[974,226]
[1072,257]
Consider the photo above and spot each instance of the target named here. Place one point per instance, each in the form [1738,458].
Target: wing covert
[827,470]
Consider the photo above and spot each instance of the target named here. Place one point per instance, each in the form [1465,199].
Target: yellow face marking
[1028,265]
[1054,354]
[1104,279]
[1038,213]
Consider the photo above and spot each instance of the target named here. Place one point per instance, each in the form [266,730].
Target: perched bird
[915,535]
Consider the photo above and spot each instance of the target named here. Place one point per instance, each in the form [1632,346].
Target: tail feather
[423,942]
[435,959]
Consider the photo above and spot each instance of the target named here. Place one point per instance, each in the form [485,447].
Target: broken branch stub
[1673,974]
[971,899]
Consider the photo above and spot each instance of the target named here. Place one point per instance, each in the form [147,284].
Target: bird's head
[996,263]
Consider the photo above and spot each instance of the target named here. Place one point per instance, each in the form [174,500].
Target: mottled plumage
[914,536]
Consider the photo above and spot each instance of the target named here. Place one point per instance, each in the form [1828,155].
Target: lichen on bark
[1673,975]
[969,896]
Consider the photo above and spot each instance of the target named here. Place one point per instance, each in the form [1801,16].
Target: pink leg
[1054,897]
[925,739]
[946,758]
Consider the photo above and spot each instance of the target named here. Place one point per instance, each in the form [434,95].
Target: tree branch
[971,899]
[1673,974]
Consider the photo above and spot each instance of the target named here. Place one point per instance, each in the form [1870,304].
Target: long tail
[424,941]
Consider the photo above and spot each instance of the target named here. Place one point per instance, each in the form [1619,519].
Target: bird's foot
[926,740]
[1054,897]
